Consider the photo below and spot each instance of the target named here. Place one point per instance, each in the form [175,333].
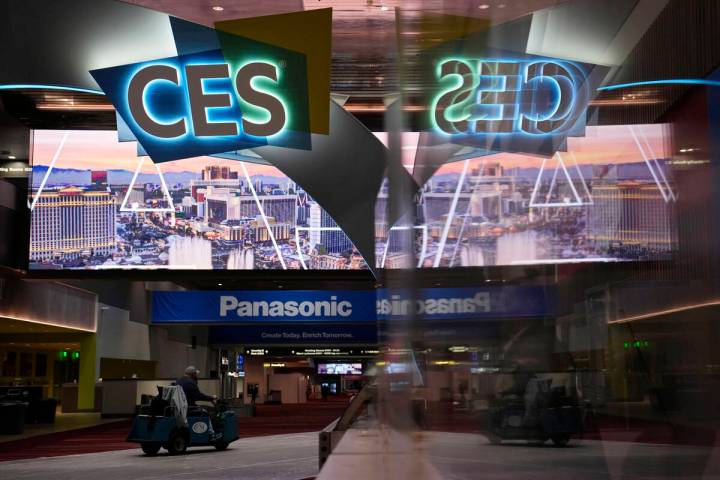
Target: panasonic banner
[348,306]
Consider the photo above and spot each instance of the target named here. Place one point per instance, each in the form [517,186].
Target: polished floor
[466,456]
[452,456]
[278,457]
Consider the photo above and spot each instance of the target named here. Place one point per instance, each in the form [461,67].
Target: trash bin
[12,418]
[41,411]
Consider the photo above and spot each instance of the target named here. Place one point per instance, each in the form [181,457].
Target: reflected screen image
[609,197]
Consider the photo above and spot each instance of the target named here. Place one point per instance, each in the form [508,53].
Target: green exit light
[62,355]
[75,355]
[637,344]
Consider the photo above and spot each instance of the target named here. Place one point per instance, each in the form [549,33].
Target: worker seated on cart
[190,387]
[193,395]
[526,394]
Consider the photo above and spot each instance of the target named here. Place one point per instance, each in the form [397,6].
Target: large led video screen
[96,205]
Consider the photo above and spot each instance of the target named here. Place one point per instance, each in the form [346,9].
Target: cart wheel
[220,446]
[560,440]
[150,448]
[177,444]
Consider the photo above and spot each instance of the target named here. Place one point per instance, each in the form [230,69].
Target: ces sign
[211,102]
[191,80]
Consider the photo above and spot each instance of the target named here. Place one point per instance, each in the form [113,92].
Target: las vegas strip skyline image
[609,197]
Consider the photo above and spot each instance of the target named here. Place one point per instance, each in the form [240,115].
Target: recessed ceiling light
[218,8]
[219,284]
[384,8]
[484,6]
[11,157]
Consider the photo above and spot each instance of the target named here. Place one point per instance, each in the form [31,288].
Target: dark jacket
[192,392]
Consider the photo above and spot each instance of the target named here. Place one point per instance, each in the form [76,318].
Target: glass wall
[570,149]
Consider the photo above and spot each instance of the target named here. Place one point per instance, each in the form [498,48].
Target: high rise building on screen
[324,232]
[218,172]
[227,204]
[631,215]
[72,222]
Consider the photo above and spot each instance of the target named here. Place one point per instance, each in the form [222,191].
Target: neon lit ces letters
[210,102]
[500,97]
[192,79]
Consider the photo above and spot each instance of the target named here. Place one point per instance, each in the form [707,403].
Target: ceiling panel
[364,33]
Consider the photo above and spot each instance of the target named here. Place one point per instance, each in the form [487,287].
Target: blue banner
[364,334]
[264,306]
[349,306]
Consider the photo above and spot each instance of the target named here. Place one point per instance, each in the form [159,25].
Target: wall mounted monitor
[340,368]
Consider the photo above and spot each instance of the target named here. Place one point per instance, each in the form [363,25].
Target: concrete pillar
[86,382]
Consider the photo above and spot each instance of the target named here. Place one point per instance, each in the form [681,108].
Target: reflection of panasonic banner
[398,305]
[531,97]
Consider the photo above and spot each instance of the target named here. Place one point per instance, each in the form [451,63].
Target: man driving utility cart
[173,421]
[189,384]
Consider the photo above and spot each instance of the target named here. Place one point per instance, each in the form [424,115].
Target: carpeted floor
[298,418]
[269,420]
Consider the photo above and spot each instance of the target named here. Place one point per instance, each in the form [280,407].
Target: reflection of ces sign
[500,97]
[192,79]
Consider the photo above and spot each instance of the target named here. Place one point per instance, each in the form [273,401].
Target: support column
[50,373]
[88,375]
